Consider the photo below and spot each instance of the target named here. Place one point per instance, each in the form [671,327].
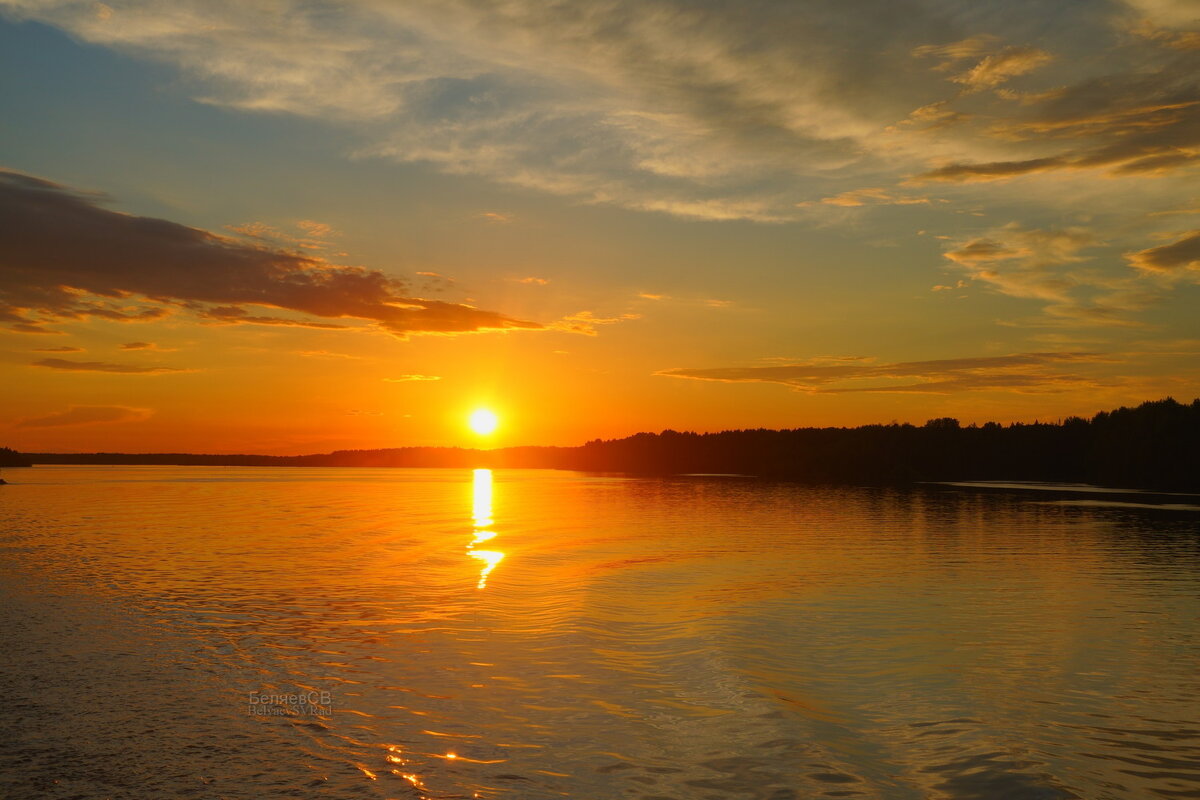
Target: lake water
[538,634]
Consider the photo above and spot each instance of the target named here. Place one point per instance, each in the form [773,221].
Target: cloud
[1171,259]
[997,68]
[872,196]
[19,326]
[1144,123]
[1019,372]
[1167,13]
[326,354]
[534,281]
[318,230]
[709,112]
[66,348]
[585,322]
[85,415]
[101,366]
[971,47]
[1178,40]
[1039,264]
[147,346]
[1033,247]
[716,111]
[406,378]
[235,315]
[932,117]
[63,257]
[312,235]
[992,171]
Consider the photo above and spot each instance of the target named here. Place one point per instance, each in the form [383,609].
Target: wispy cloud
[718,111]
[713,112]
[872,196]
[1178,257]
[327,354]
[407,378]
[318,230]
[1144,123]
[1019,372]
[102,366]
[585,322]
[1043,264]
[999,67]
[85,415]
[312,235]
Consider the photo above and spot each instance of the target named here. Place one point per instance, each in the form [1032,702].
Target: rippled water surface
[530,634]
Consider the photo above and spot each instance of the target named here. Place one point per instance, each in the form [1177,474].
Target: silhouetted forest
[1155,445]
[11,458]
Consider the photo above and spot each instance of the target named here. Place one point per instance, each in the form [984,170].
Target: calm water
[536,634]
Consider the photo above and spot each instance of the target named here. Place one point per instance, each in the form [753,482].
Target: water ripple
[670,638]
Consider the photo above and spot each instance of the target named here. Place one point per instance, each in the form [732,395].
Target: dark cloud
[66,348]
[85,415]
[63,257]
[101,366]
[147,346]
[235,315]
[992,170]
[1022,372]
[25,327]
[1175,257]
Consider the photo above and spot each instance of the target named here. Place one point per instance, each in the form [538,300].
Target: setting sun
[483,421]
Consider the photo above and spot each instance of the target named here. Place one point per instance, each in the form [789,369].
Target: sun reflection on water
[481,511]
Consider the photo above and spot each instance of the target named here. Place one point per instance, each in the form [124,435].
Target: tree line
[1154,445]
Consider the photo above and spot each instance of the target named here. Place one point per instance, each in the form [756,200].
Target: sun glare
[483,422]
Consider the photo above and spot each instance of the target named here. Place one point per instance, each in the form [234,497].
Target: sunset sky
[292,227]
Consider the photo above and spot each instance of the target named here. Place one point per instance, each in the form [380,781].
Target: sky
[292,227]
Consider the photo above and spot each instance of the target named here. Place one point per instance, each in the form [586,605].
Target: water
[536,634]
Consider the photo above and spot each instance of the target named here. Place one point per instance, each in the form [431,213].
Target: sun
[483,421]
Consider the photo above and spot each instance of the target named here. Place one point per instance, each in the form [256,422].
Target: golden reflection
[481,511]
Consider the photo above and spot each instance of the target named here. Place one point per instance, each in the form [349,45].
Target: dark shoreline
[1155,446]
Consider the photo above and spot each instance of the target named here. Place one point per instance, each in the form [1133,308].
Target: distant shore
[1153,446]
